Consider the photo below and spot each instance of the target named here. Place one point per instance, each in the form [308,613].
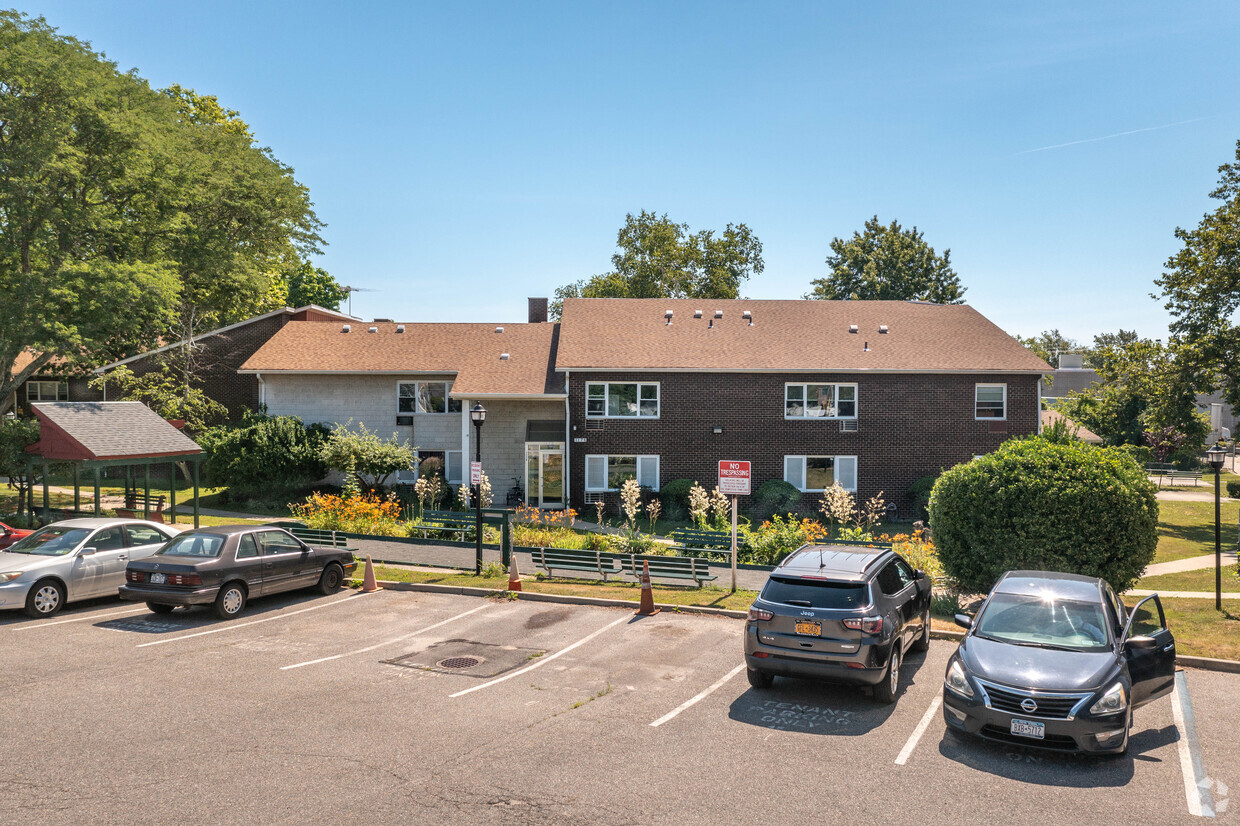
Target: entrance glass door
[544,483]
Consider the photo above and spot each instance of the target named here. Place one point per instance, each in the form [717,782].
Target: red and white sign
[475,473]
[734,478]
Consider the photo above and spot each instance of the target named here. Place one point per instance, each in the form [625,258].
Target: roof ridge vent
[372,329]
[697,313]
[499,329]
[400,328]
[882,328]
[503,357]
[718,313]
[346,328]
[852,328]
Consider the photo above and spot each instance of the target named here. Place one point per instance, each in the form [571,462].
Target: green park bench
[569,559]
[320,538]
[455,521]
[668,567]
[1173,475]
[713,540]
[136,503]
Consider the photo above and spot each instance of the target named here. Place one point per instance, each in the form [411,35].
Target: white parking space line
[544,660]
[235,626]
[699,697]
[37,624]
[385,642]
[1196,781]
[915,737]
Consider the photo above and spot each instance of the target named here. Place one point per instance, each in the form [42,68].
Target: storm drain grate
[459,662]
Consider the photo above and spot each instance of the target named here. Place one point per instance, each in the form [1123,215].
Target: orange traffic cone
[514,576]
[647,608]
[369,584]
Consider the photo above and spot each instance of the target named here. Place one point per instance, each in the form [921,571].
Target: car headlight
[1111,702]
[957,681]
[10,576]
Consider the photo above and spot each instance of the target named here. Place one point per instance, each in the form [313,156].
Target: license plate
[1026,728]
[158,579]
[811,629]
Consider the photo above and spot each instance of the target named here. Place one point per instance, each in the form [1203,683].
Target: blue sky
[468,155]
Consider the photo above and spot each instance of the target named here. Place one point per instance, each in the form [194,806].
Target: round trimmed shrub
[1233,490]
[1034,505]
[265,457]
[775,496]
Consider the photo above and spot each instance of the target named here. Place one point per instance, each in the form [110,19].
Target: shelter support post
[98,504]
[47,496]
[77,488]
[195,492]
[172,493]
[146,490]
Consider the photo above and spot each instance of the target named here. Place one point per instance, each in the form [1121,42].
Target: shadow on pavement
[196,617]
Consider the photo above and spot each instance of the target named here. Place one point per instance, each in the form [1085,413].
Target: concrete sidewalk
[1193,563]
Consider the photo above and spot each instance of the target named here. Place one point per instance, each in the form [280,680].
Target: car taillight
[135,576]
[759,615]
[184,579]
[866,625]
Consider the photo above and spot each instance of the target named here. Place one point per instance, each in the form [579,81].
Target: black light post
[478,415]
[1215,456]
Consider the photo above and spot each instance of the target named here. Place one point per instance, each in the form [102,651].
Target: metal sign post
[734,480]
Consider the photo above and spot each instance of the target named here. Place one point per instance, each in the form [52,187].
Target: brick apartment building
[872,394]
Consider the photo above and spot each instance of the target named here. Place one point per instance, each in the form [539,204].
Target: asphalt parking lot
[353,708]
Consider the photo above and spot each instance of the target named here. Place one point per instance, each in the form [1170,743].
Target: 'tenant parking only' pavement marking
[36,625]
[699,697]
[544,660]
[233,627]
[385,642]
[915,737]
[1196,781]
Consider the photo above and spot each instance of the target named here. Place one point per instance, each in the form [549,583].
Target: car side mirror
[87,551]
[920,573]
[964,620]
[1141,643]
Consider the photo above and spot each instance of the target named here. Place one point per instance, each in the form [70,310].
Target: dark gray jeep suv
[841,613]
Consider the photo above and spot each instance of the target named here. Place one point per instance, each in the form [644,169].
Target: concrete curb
[562,599]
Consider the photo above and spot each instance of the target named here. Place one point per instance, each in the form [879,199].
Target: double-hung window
[47,391]
[816,473]
[990,401]
[608,473]
[622,400]
[425,397]
[820,401]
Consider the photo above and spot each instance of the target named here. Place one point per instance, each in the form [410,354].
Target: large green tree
[658,258]
[1048,344]
[308,284]
[87,156]
[1201,286]
[888,263]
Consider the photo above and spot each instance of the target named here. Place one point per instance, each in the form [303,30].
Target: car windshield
[194,544]
[50,541]
[815,593]
[1044,621]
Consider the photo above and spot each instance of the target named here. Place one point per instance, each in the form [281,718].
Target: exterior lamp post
[1215,456]
[478,415]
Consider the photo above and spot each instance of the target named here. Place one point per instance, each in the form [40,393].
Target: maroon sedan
[10,535]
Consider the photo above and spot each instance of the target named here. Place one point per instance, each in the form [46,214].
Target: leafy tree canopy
[1201,286]
[163,391]
[888,263]
[363,454]
[658,258]
[308,284]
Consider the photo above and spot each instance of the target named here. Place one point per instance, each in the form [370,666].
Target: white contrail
[1108,137]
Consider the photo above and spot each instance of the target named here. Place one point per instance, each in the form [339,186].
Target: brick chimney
[538,310]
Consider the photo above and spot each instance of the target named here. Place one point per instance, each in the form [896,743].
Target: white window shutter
[794,471]
[846,472]
[454,467]
[648,472]
[596,473]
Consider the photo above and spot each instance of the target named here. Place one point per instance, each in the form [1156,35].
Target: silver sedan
[72,560]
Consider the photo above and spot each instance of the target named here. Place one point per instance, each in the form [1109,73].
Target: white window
[820,401]
[815,473]
[425,397]
[47,391]
[454,467]
[604,473]
[990,401]
[622,400]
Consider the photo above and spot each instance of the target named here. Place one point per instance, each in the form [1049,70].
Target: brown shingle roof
[609,333]
[471,351]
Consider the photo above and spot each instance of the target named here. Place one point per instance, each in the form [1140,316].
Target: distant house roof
[85,431]
[311,312]
[517,362]
[805,335]
[1049,417]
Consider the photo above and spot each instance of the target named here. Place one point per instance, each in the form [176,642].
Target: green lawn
[1199,580]
[1200,631]
[1186,529]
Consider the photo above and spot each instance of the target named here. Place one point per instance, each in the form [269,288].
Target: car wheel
[45,599]
[923,640]
[231,601]
[889,686]
[329,582]
[759,679]
[159,607]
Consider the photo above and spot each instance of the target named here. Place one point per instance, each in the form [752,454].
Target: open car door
[1150,667]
